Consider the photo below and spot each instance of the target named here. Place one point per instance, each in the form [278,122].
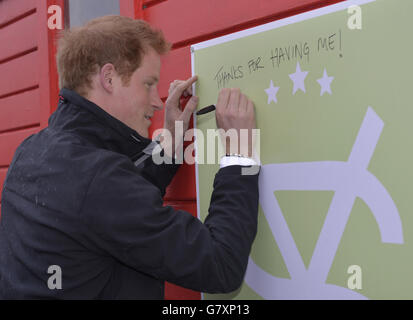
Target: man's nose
[157,103]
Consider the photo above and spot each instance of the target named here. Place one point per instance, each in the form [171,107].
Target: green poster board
[334,112]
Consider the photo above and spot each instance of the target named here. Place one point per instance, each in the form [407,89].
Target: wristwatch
[232,159]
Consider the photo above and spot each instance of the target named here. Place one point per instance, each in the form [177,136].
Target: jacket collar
[90,119]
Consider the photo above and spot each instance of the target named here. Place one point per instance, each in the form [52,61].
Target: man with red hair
[81,221]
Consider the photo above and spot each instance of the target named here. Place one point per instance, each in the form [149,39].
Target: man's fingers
[234,100]
[173,85]
[189,109]
[178,88]
[188,83]
[188,92]
[243,103]
[186,86]
[223,98]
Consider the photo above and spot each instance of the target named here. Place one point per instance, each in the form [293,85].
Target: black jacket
[74,198]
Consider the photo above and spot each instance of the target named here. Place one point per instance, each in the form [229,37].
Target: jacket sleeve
[127,220]
[160,175]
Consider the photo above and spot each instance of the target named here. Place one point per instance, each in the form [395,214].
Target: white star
[325,83]
[298,78]
[272,93]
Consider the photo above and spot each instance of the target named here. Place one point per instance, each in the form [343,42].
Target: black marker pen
[206,110]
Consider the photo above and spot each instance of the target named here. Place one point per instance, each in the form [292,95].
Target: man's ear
[106,77]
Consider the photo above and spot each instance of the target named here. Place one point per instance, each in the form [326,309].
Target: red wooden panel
[20,110]
[186,21]
[10,141]
[20,36]
[176,65]
[147,3]
[3,172]
[173,291]
[130,8]
[10,9]
[48,78]
[183,185]
[19,73]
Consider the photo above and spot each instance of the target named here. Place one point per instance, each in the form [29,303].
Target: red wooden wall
[28,81]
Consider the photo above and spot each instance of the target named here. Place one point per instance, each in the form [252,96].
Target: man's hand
[178,90]
[235,111]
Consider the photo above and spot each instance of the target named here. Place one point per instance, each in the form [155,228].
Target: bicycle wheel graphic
[349,179]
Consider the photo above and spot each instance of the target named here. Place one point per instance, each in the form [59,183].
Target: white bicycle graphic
[349,180]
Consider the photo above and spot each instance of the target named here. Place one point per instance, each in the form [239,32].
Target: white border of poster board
[255,30]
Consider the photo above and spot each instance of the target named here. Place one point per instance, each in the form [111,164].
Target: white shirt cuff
[234,160]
